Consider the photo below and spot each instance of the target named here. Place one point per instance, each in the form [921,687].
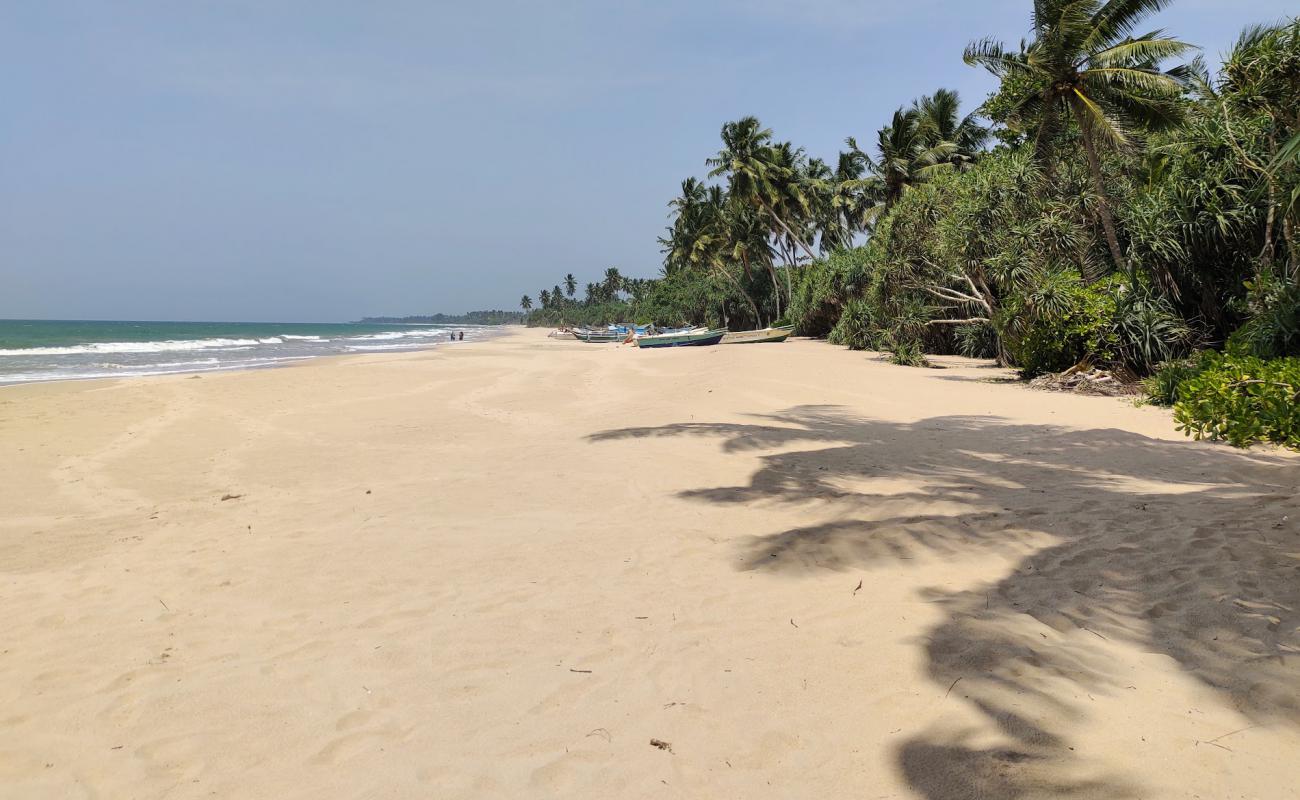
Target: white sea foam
[421,333]
[117,359]
[397,346]
[132,347]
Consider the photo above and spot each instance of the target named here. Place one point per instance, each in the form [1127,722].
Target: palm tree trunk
[1103,205]
[758,317]
[776,290]
[802,245]
[789,288]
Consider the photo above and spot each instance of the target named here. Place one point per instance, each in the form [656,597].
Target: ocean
[51,350]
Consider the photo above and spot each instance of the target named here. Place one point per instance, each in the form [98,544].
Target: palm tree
[613,283]
[526,303]
[745,240]
[905,156]
[755,172]
[702,236]
[570,285]
[545,298]
[1084,62]
[939,123]
[852,204]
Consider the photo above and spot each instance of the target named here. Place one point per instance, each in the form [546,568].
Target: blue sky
[322,160]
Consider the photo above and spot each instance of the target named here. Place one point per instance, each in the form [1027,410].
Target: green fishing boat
[699,337]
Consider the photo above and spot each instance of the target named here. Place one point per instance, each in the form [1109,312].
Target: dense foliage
[1241,399]
[1134,208]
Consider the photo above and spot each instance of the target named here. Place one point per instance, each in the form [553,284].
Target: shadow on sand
[1175,548]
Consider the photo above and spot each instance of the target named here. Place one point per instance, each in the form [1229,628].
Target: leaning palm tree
[1083,62]
[755,172]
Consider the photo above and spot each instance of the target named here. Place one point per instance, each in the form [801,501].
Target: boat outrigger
[779,334]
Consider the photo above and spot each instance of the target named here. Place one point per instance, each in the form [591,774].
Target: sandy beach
[502,569]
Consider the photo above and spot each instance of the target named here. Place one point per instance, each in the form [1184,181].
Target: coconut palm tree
[704,235]
[526,303]
[611,285]
[1083,62]
[852,201]
[545,298]
[939,122]
[905,156]
[758,173]
[570,285]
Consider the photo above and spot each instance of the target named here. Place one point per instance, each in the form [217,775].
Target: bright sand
[500,570]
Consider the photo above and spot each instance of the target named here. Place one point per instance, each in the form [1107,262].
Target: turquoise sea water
[42,350]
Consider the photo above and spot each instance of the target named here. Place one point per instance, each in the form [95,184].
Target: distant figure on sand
[451,336]
[461,335]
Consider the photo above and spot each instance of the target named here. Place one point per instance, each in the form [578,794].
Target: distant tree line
[469,318]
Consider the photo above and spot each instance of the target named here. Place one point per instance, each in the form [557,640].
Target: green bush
[977,340]
[1274,327]
[907,352]
[854,329]
[1058,322]
[1149,330]
[1243,400]
[1161,386]
[821,290]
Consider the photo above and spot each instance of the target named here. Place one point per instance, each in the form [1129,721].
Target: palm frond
[1149,49]
[1097,122]
[993,56]
[1143,80]
[1117,19]
[1289,152]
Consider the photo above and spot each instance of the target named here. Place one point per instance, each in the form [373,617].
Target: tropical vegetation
[1115,203]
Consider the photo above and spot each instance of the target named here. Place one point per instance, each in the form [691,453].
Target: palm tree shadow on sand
[1176,548]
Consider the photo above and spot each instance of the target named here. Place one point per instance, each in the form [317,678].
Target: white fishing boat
[779,334]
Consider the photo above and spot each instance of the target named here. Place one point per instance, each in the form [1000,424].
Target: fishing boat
[779,334]
[698,337]
[598,336]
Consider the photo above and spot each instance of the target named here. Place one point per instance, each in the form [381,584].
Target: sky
[321,160]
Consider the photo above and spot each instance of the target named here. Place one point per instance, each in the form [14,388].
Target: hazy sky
[323,160]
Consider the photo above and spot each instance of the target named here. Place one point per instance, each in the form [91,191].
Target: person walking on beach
[461,335]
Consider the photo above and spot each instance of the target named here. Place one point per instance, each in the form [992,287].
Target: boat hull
[600,337]
[758,336]
[691,339]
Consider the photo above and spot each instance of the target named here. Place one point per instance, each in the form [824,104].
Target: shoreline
[287,362]
[504,570]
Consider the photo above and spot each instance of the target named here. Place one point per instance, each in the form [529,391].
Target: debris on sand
[1090,380]
[661,744]
[226,497]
